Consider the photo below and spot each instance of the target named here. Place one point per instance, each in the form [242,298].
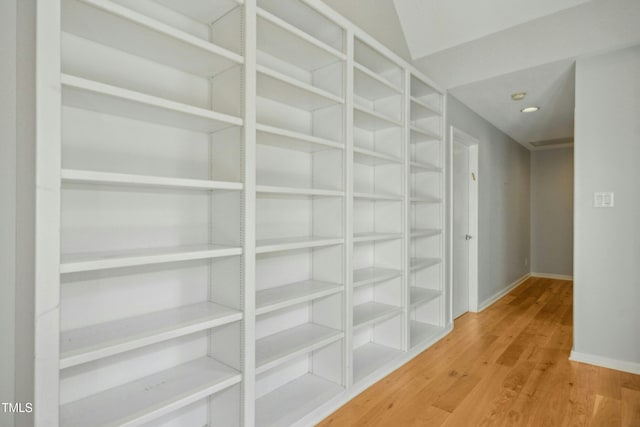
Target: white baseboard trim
[552,276]
[605,362]
[486,303]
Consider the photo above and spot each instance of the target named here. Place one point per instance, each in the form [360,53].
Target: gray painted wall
[504,211]
[607,241]
[7,204]
[552,211]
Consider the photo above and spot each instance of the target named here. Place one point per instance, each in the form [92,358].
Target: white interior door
[461,233]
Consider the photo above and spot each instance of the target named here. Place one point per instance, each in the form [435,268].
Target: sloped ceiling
[434,25]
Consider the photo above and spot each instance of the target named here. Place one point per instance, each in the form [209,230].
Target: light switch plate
[603,200]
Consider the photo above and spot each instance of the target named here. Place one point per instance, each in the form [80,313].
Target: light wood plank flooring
[506,366]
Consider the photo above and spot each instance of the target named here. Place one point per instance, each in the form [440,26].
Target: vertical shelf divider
[248,340]
[406,205]
[48,134]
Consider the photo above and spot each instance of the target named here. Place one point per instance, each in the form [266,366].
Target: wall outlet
[603,200]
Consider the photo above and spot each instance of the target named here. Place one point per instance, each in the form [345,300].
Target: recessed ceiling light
[518,96]
[530,109]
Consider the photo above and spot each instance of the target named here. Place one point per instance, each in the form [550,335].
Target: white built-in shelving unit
[240,213]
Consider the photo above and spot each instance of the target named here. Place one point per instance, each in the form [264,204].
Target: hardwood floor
[506,366]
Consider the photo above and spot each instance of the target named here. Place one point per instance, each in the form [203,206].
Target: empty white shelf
[370,357]
[101,260]
[426,199]
[420,263]
[369,85]
[422,135]
[291,243]
[282,40]
[375,196]
[291,402]
[368,119]
[372,237]
[373,158]
[103,98]
[419,296]
[294,191]
[281,88]
[420,89]
[119,27]
[420,110]
[271,299]
[282,138]
[365,276]
[423,167]
[109,178]
[278,348]
[143,400]
[106,339]
[420,332]
[373,312]
[425,232]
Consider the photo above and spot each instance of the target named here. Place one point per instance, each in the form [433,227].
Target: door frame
[457,135]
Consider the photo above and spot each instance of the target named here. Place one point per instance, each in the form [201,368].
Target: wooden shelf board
[372,237]
[373,158]
[286,345]
[418,296]
[368,275]
[113,259]
[107,339]
[294,400]
[102,98]
[368,119]
[282,40]
[420,332]
[127,30]
[281,88]
[293,191]
[148,398]
[421,263]
[371,86]
[268,300]
[291,243]
[373,312]
[370,357]
[121,179]
[282,138]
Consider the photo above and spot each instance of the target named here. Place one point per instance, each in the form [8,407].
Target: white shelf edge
[106,349]
[312,345]
[272,189]
[160,27]
[428,296]
[293,30]
[297,135]
[109,178]
[426,200]
[424,167]
[299,84]
[149,100]
[209,376]
[365,70]
[387,311]
[432,136]
[373,237]
[422,263]
[373,196]
[320,293]
[374,154]
[384,275]
[272,245]
[433,111]
[421,232]
[377,115]
[91,262]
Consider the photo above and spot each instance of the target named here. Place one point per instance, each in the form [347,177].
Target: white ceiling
[433,25]
[488,59]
